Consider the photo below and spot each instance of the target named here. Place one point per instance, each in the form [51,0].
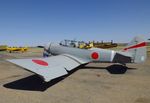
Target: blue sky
[35,22]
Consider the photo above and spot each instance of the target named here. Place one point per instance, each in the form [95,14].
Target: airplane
[12,49]
[64,59]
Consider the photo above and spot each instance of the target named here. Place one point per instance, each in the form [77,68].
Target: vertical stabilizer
[137,47]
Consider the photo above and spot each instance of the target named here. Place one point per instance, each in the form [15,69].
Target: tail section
[137,47]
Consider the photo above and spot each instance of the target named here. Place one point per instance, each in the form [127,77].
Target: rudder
[137,47]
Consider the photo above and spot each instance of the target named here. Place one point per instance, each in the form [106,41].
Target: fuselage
[95,55]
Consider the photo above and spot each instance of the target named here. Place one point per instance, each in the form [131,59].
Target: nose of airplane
[46,51]
[47,46]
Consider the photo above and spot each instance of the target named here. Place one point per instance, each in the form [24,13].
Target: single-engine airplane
[20,49]
[65,59]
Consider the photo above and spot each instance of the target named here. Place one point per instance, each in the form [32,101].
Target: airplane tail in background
[137,48]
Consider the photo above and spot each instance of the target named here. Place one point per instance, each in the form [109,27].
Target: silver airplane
[64,59]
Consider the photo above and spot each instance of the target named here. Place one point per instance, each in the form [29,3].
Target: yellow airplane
[21,49]
[3,47]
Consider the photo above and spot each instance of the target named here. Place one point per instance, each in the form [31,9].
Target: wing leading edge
[51,67]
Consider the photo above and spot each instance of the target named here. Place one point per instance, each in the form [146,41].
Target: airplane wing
[51,67]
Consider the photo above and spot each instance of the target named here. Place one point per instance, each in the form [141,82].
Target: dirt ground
[90,84]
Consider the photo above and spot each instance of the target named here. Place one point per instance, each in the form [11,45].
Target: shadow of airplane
[35,83]
[32,83]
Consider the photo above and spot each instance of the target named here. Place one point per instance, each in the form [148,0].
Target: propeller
[40,46]
[46,52]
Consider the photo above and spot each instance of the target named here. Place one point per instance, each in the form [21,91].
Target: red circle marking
[40,62]
[94,55]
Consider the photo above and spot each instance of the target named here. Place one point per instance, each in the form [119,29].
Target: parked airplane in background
[13,49]
[65,59]
[20,49]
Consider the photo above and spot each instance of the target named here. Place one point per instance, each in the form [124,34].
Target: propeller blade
[40,46]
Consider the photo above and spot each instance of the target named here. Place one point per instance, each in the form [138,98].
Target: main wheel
[117,69]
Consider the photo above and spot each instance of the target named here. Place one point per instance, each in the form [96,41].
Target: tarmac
[93,83]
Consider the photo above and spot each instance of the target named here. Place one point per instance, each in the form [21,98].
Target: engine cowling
[46,52]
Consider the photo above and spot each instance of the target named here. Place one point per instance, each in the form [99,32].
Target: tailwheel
[117,69]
